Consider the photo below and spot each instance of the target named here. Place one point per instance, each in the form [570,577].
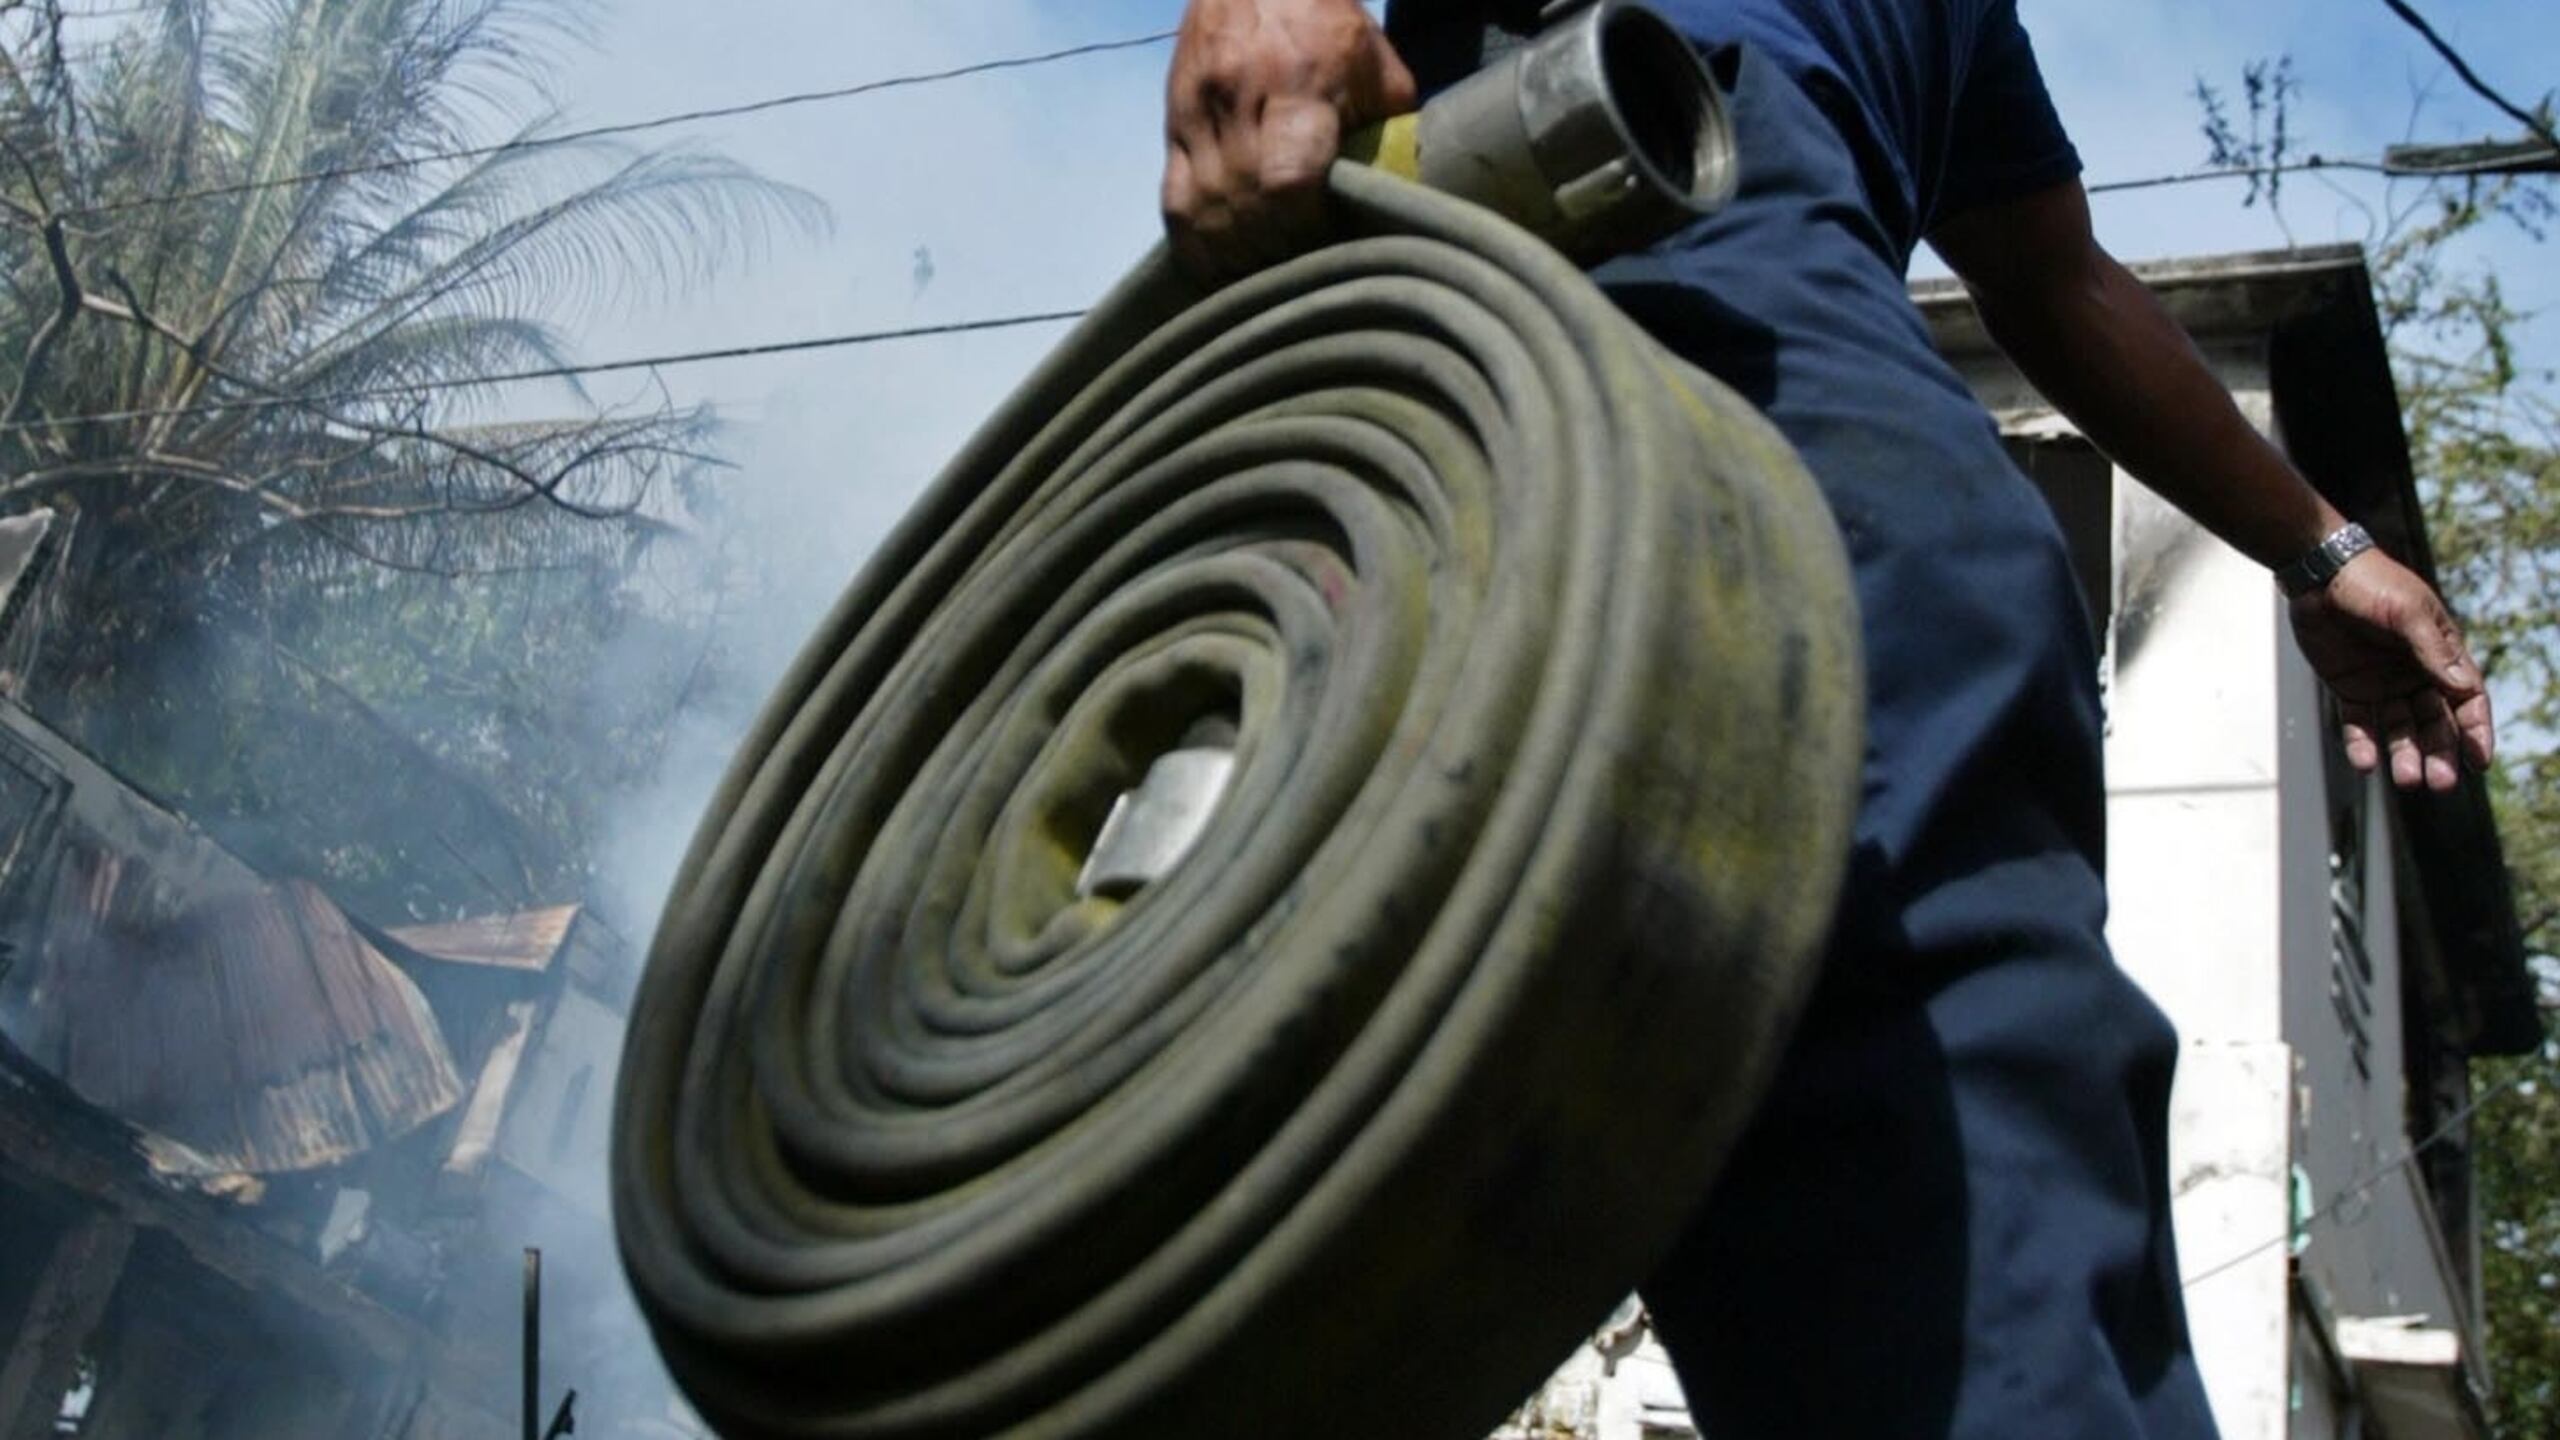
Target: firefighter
[1952,1216]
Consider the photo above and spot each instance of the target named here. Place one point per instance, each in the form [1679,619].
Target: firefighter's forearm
[2105,351]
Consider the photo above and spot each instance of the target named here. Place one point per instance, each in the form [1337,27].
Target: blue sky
[1033,190]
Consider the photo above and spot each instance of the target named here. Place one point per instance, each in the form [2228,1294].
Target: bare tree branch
[40,346]
[2540,127]
[535,485]
[31,369]
[2531,930]
[185,467]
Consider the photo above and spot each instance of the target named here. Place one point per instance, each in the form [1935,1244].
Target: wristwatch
[2323,561]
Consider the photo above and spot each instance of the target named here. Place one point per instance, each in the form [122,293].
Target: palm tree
[250,284]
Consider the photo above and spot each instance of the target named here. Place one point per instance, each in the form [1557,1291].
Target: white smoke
[1031,191]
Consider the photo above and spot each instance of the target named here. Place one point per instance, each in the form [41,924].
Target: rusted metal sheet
[254,1027]
[529,940]
[166,982]
[55,1145]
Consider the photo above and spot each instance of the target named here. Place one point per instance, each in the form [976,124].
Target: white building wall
[2231,1188]
[559,1129]
[2196,822]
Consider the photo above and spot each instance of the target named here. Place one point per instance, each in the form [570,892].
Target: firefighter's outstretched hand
[1261,94]
[2406,684]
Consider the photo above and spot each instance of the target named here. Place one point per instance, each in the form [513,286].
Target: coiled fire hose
[1527,660]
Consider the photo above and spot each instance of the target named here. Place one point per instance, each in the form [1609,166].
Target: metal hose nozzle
[1600,135]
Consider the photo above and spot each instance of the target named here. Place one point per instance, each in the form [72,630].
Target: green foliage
[388,637]
[2484,436]
[2518,1153]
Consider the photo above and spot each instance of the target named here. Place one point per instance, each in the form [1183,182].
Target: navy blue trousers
[1952,1219]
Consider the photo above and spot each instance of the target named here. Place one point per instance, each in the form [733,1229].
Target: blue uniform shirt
[1859,124]
[1939,101]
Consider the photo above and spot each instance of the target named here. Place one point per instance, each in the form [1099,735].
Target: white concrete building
[2331,952]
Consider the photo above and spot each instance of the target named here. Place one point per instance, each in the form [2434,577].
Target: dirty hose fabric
[1539,656]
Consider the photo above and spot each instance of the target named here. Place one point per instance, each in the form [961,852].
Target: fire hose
[1491,677]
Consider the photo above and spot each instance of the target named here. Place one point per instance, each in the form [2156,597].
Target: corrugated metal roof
[528,940]
[244,1018]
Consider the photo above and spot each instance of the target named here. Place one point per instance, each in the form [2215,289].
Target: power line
[2241,172]
[2400,163]
[113,14]
[627,127]
[874,337]
[921,332]
[2364,1184]
[554,372]
[2540,128]
[2385,166]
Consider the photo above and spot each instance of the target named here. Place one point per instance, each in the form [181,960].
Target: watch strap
[2322,562]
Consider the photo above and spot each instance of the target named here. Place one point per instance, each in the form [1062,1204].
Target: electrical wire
[932,77]
[553,372]
[911,80]
[965,327]
[2365,1183]
[2240,172]
[2390,169]
[627,127]
[1000,322]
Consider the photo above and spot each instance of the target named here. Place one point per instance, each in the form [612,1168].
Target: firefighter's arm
[2101,347]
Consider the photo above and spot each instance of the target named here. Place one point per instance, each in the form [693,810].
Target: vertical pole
[532,1343]
[63,1314]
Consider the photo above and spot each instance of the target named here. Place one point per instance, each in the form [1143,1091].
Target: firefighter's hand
[1261,94]
[2406,684]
